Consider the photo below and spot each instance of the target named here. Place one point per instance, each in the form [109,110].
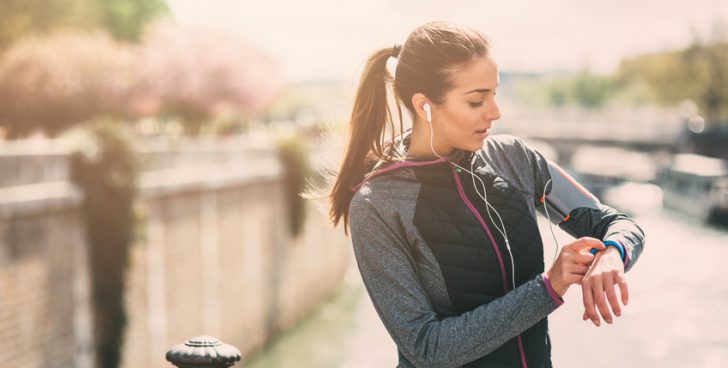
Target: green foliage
[584,89]
[20,18]
[124,19]
[698,73]
[662,73]
[294,154]
[105,168]
[589,90]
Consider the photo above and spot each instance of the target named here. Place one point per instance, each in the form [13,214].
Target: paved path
[677,315]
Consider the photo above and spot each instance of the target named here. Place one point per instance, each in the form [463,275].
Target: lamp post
[203,352]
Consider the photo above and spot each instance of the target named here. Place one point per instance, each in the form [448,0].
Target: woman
[442,217]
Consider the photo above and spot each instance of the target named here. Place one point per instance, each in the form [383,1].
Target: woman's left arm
[579,213]
[609,266]
[585,216]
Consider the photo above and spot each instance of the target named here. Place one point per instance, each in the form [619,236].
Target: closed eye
[476,104]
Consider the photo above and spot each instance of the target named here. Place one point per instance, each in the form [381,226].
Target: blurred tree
[124,19]
[662,72]
[294,154]
[557,95]
[53,82]
[583,88]
[709,63]
[590,90]
[20,18]
[106,168]
[698,73]
[195,75]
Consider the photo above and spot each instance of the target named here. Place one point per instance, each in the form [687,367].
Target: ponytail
[424,65]
[369,117]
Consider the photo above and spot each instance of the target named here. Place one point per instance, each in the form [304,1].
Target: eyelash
[478,104]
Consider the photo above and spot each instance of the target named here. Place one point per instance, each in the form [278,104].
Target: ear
[418,101]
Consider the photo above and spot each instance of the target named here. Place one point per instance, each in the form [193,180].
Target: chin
[475,146]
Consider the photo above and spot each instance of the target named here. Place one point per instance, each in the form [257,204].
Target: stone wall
[215,257]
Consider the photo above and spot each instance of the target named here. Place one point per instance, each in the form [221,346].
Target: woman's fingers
[585,244]
[599,296]
[577,269]
[624,290]
[612,296]
[591,312]
[601,302]
[598,285]
[585,259]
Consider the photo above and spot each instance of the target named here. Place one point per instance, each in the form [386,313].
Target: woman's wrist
[556,289]
[613,246]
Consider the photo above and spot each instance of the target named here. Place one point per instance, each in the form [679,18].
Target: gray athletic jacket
[436,266]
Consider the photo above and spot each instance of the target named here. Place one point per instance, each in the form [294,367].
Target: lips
[481,131]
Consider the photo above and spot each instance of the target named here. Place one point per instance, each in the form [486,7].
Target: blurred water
[677,315]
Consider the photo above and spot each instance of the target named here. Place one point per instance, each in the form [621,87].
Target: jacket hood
[401,166]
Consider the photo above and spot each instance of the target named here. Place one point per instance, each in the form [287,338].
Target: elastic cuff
[557,299]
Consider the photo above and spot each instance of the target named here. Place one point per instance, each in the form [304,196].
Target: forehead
[480,73]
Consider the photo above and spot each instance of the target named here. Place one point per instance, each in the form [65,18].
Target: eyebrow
[479,90]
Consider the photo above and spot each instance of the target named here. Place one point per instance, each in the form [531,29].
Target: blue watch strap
[612,243]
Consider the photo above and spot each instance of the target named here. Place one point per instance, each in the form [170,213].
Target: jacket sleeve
[579,212]
[422,336]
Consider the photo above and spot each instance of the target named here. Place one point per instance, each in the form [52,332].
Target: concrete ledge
[208,177]
[30,199]
[26,200]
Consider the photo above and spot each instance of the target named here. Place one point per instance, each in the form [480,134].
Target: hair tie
[395,50]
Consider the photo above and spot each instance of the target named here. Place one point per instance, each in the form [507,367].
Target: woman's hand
[572,263]
[606,271]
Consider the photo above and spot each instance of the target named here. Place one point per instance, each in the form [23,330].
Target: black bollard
[203,352]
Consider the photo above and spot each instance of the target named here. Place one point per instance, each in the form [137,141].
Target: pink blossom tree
[195,75]
[56,81]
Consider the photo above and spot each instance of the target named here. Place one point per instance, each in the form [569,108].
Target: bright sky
[330,39]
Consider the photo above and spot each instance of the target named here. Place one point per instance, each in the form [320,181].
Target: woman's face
[469,109]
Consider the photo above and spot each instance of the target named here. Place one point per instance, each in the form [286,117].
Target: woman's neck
[419,147]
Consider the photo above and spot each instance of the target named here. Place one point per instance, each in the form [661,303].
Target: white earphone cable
[551,225]
[488,206]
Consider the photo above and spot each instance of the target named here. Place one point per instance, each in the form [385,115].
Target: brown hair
[425,65]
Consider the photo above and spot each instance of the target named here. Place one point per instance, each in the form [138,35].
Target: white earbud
[428,111]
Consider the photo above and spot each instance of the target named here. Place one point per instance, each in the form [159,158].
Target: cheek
[461,133]
[461,126]
[468,121]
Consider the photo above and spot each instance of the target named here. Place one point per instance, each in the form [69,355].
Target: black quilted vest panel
[465,254]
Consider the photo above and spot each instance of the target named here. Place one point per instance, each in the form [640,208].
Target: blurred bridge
[567,134]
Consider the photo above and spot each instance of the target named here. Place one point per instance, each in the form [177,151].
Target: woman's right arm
[402,304]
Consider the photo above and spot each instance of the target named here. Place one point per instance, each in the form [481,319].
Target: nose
[493,111]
